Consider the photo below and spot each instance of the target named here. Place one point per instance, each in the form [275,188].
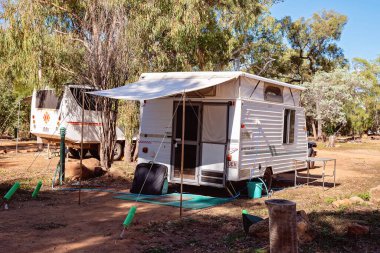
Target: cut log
[282,226]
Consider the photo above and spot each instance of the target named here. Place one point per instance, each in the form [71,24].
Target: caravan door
[214,143]
[192,136]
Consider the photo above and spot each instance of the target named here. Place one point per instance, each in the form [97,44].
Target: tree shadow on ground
[55,221]
[330,230]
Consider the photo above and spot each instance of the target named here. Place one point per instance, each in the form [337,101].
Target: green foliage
[197,35]
[365,196]
[108,43]
[329,95]
[313,45]
[369,106]
[8,108]
[129,118]
[31,50]
[330,200]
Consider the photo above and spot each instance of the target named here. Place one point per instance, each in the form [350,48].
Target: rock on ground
[374,194]
[341,203]
[357,200]
[260,229]
[91,168]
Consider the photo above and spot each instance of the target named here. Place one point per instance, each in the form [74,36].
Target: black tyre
[94,152]
[117,151]
[76,152]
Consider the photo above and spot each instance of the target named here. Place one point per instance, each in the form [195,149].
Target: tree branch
[69,35]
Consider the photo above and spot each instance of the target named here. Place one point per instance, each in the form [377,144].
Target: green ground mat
[190,201]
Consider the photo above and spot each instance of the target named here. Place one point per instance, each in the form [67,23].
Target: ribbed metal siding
[261,138]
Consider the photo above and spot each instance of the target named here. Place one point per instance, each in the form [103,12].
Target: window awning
[156,85]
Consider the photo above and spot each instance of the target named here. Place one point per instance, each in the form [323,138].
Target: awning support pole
[81,150]
[18,125]
[182,149]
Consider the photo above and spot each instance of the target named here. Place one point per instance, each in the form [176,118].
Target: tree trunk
[319,121]
[136,151]
[108,140]
[314,129]
[319,136]
[282,226]
[127,151]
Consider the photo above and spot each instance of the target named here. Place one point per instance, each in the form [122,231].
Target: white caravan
[238,126]
[49,113]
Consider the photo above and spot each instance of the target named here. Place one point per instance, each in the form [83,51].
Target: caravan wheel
[117,152]
[76,152]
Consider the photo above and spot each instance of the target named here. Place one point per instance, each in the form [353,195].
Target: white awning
[156,85]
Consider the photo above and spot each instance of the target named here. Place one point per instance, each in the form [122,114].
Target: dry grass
[217,229]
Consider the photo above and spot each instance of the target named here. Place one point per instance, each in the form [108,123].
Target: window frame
[43,97]
[90,101]
[281,89]
[286,132]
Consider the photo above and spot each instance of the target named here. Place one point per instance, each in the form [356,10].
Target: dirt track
[55,221]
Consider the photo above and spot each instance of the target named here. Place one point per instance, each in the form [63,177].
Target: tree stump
[332,140]
[282,226]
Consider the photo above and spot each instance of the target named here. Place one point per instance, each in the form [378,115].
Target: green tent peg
[11,191]
[37,189]
[130,216]
[244,212]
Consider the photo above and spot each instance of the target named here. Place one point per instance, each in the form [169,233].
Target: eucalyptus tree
[329,95]
[96,35]
[370,70]
[313,45]
[201,35]
[106,43]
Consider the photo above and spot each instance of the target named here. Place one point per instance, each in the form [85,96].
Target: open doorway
[192,135]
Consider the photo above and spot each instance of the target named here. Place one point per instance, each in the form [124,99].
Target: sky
[361,35]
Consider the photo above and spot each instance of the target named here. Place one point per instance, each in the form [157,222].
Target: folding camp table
[314,159]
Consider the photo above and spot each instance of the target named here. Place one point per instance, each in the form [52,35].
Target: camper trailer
[238,126]
[50,112]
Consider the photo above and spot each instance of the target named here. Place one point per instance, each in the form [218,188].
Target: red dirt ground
[55,221]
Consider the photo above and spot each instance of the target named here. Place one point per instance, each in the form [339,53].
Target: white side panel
[72,120]
[262,137]
[44,122]
[156,131]
[233,143]
[213,157]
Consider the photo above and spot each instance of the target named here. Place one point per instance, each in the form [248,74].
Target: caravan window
[273,94]
[288,128]
[90,102]
[46,99]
